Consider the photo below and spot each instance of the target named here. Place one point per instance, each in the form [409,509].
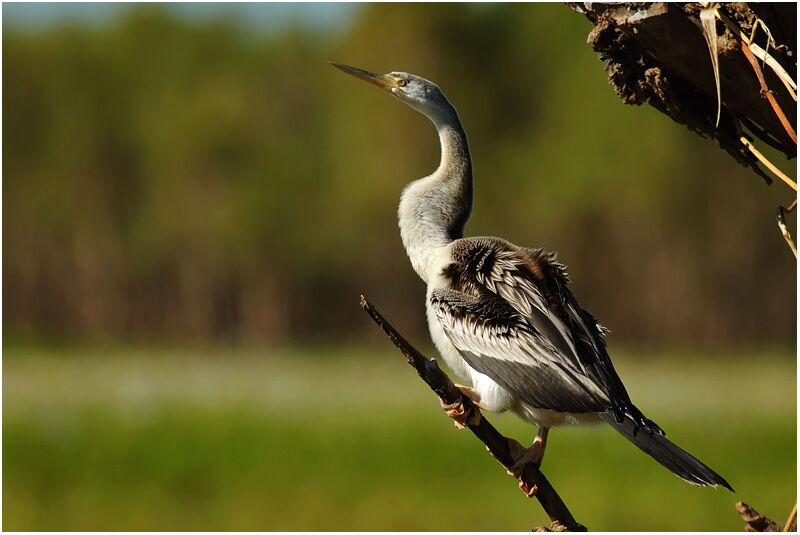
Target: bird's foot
[524,456]
[530,490]
[517,451]
[463,417]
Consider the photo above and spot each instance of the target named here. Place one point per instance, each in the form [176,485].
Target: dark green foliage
[169,179]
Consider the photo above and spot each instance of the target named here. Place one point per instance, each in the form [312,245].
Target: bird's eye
[402,82]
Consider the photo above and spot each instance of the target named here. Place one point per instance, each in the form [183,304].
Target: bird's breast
[437,280]
[493,396]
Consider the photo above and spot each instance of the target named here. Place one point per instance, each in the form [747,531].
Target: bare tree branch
[532,481]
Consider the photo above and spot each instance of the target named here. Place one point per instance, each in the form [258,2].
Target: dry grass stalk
[781,216]
[769,165]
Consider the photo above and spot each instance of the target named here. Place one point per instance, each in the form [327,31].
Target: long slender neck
[433,210]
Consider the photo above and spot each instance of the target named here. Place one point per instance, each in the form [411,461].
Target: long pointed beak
[382,81]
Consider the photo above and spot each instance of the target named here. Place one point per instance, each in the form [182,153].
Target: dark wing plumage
[497,341]
[588,336]
[512,317]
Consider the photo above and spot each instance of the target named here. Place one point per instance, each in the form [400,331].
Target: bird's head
[419,93]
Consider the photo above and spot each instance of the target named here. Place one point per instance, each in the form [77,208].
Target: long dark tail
[677,461]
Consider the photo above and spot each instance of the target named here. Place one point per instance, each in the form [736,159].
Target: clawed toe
[456,412]
[517,452]
[462,417]
[529,490]
[525,456]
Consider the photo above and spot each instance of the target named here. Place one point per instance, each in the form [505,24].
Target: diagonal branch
[532,481]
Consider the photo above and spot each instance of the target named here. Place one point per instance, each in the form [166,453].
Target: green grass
[352,440]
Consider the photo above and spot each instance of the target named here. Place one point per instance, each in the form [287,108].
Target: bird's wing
[543,328]
[584,329]
[587,334]
[498,341]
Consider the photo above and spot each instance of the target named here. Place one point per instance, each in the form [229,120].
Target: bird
[502,316]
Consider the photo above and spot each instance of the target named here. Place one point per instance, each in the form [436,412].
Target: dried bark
[656,53]
[532,481]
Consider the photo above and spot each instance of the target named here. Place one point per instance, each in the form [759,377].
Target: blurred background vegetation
[193,201]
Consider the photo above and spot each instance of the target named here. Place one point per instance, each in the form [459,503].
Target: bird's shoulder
[530,281]
[475,264]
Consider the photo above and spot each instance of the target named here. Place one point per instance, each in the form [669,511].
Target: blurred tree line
[174,180]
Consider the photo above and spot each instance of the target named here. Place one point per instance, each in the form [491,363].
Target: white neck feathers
[433,210]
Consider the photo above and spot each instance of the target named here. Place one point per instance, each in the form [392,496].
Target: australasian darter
[502,316]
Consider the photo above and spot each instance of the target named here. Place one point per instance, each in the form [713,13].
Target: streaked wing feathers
[512,317]
[497,341]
